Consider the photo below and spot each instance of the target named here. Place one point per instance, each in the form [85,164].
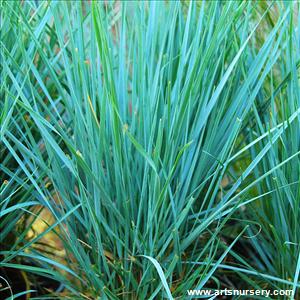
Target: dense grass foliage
[148,148]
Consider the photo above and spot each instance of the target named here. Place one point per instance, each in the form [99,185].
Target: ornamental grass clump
[161,137]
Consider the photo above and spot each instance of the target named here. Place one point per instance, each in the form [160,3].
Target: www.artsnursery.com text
[230,292]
